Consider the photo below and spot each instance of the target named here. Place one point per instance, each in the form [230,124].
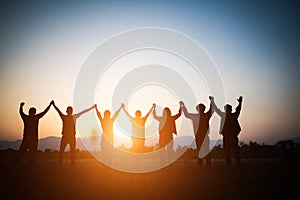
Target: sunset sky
[254,45]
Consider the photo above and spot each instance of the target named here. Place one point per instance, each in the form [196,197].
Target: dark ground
[257,178]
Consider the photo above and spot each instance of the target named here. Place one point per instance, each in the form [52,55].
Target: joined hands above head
[181,103]
[52,103]
[153,105]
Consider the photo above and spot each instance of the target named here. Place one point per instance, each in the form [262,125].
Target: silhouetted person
[107,124]
[138,129]
[69,132]
[167,127]
[230,129]
[30,132]
[201,130]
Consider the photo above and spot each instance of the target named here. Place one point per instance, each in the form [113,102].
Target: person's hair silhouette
[138,129]
[30,132]
[230,129]
[166,128]
[201,129]
[107,124]
[69,131]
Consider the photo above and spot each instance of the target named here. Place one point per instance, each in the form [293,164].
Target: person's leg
[72,143]
[170,150]
[135,145]
[236,151]
[107,149]
[204,152]
[162,150]
[138,149]
[198,146]
[160,143]
[141,145]
[32,151]
[63,145]
[112,154]
[23,148]
[208,156]
[227,146]
[104,147]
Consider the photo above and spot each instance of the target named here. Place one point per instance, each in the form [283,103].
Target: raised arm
[216,109]
[211,107]
[86,110]
[57,109]
[149,112]
[154,113]
[117,112]
[239,107]
[98,113]
[126,112]
[185,112]
[21,109]
[40,115]
[178,114]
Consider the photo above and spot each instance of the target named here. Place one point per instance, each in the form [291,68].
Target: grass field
[255,179]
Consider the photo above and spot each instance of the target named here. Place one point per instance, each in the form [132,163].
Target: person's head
[138,113]
[200,108]
[167,112]
[228,108]
[107,114]
[32,111]
[69,110]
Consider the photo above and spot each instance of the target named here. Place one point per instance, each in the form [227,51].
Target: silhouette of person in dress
[167,127]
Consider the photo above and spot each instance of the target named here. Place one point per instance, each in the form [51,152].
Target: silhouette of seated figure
[138,129]
[201,130]
[30,132]
[230,129]
[69,131]
[107,124]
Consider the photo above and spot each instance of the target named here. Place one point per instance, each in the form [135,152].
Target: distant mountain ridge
[51,142]
[93,143]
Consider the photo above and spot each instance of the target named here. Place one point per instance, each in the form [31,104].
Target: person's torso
[107,127]
[138,127]
[69,128]
[166,124]
[31,124]
[231,125]
[203,123]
